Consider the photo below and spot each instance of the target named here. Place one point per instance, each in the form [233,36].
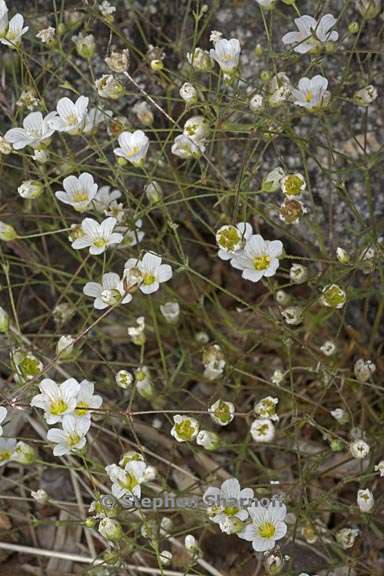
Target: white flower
[184,147]
[108,293]
[56,400]
[368,8]
[109,87]
[256,103]
[137,332]
[365,96]
[191,544]
[127,480]
[170,311]
[231,239]
[311,33]
[293,184]
[188,93]
[333,296]
[222,412]
[133,147]
[258,258]
[215,36]
[214,361]
[328,348]
[104,198]
[46,35]
[110,529]
[196,128]
[153,191]
[272,181]
[144,113]
[267,4]
[312,93]
[380,468]
[359,449]
[185,428]
[227,54]
[107,9]
[266,408]
[365,500]
[15,30]
[209,440]
[3,415]
[298,274]
[340,415]
[97,236]
[71,436]
[364,369]
[153,272]
[79,192]
[3,17]
[143,382]
[267,525]
[71,115]
[7,449]
[87,400]
[30,189]
[35,129]
[229,502]
[346,537]
[262,430]
[165,557]
[123,379]
[64,346]
[200,60]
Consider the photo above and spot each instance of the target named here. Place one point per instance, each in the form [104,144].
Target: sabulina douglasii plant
[191,319]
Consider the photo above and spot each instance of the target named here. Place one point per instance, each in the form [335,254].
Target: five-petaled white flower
[311,33]
[3,415]
[35,129]
[72,116]
[227,54]
[312,93]
[127,480]
[108,293]
[10,31]
[133,146]
[229,502]
[87,400]
[184,147]
[185,428]
[152,271]
[97,236]
[71,436]
[267,525]
[56,400]
[79,192]
[258,258]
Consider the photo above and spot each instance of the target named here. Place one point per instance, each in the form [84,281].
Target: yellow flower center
[185,430]
[267,530]
[309,96]
[148,279]
[229,238]
[293,185]
[80,196]
[58,407]
[100,243]
[134,150]
[261,262]
[231,511]
[5,455]
[129,482]
[73,439]
[82,408]
[71,119]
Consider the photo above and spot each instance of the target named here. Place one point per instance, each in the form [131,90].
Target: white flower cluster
[237,512]
[248,252]
[69,404]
